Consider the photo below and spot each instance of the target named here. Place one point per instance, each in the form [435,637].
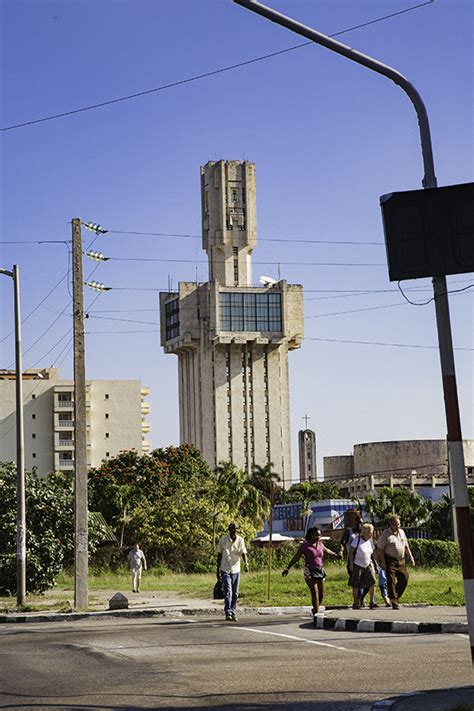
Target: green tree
[49,528]
[169,501]
[440,523]
[312,491]
[412,508]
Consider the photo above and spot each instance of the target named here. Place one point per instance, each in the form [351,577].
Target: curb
[349,624]
[18,618]
[394,700]
[337,624]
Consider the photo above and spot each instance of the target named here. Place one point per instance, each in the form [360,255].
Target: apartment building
[116,413]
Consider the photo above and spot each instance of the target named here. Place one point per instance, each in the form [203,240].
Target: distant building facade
[307,454]
[291,520]
[420,465]
[115,419]
[231,338]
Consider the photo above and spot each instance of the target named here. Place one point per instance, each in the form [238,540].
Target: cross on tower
[306,418]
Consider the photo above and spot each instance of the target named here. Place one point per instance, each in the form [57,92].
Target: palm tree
[234,487]
[263,477]
[441,521]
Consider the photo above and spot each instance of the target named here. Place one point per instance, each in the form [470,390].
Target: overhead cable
[206,74]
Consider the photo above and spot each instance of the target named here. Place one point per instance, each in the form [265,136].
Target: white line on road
[302,639]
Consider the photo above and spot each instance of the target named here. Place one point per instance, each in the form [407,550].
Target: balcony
[66,464]
[69,424]
[146,427]
[66,442]
[65,403]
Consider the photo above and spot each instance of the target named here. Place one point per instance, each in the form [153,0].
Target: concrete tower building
[231,338]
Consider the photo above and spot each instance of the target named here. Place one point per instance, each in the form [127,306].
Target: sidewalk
[409,619]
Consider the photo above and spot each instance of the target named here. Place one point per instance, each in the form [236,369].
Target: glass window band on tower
[172,319]
[245,311]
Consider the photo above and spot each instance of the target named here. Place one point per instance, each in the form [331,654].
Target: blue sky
[328,138]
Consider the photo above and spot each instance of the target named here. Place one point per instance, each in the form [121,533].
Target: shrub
[435,553]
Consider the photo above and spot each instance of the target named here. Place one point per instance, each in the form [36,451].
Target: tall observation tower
[232,338]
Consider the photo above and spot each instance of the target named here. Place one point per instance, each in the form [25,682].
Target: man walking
[393,549]
[229,549]
[136,561]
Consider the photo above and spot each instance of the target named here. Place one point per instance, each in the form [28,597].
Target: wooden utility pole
[81,562]
[270,543]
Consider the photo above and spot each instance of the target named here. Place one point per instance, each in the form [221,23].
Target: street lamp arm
[429,180]
[6,272]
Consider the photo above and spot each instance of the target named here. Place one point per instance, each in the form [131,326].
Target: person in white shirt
[229,550]
[136,562]
[360,563]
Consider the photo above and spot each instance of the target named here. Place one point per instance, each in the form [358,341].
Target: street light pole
[455,447]
[20,449]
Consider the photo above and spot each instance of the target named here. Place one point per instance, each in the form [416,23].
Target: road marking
[302,639]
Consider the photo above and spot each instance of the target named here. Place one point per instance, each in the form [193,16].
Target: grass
[435,586]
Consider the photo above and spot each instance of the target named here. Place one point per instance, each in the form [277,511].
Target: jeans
[383,583]
[230,582]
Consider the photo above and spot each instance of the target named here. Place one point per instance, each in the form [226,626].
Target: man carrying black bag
[218,593]
[229,550]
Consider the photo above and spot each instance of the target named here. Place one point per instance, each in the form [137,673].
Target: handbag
[218,592]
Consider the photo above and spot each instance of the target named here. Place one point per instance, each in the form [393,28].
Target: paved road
[254,664]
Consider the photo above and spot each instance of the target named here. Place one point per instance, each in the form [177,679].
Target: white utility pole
[20,449]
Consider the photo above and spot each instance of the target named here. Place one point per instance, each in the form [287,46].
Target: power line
[355,311]
[261,263]
[118,333]
[260,239]
[207,74]
[425,303]
[196,236]
[337,294]
[378,343]
[37,306]
[400,469]
[128,320]
[306,338]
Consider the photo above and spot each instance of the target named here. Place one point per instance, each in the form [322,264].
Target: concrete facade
[231,338]
[307,455]
[115,412]
[417,464]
